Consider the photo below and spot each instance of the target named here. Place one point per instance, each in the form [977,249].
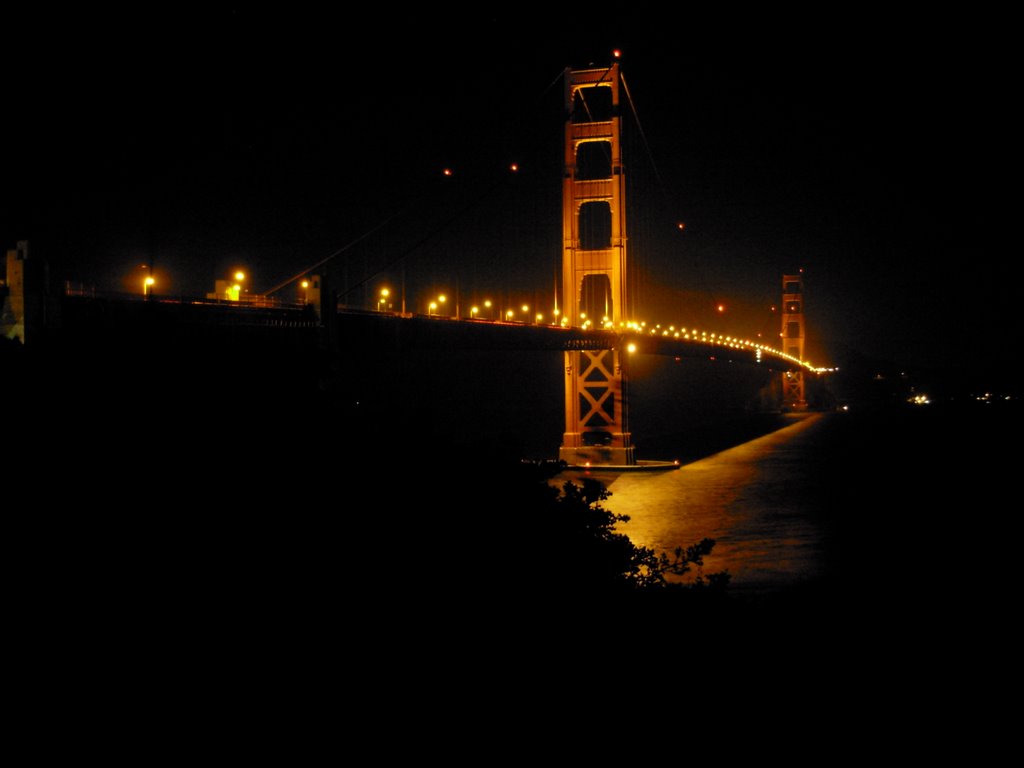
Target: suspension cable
[643,135]
[435,231]
[337,253]
[426,238]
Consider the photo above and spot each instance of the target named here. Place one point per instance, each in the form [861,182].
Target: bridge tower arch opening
[793,337]
[594,267]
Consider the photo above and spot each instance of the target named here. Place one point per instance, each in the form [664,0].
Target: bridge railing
[253,300]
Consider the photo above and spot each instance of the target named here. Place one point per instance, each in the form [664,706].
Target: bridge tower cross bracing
[793,394]
[596,383]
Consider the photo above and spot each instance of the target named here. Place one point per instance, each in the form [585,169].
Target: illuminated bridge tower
[793,339]
[594,267]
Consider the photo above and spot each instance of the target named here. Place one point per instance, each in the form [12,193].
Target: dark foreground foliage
[581,551]
[610,560]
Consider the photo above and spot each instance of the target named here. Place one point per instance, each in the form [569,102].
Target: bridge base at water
[598,454]
[640,466]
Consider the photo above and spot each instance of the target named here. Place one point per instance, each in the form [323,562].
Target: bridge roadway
[427,332]
[406,330]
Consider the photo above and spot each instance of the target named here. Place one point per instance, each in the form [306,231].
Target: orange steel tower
[594,267]
[793,339]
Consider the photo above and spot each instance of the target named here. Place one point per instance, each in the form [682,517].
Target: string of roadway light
[680,333]
[435,308]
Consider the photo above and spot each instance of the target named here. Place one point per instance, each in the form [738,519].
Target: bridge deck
[410,330]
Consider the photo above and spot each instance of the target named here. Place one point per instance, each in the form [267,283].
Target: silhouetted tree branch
[596,556]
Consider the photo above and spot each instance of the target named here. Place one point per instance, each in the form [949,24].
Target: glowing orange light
[487,303]
[681,226]
[385,292]
[617,53]
[514,167]
[721,307]
[305,283]
[447,171]
[150,280]
[631,347]
[442,298]
[239,275]
[526,307]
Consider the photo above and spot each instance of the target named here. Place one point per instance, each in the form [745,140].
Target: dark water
[757,500]
[896,511]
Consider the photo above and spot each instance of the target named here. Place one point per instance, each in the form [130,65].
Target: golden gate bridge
[592,320]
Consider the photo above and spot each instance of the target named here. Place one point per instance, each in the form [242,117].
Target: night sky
[870,152]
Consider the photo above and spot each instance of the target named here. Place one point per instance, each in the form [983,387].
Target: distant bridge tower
[793,395]
[594,267]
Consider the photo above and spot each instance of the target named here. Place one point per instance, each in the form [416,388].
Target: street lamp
[431,308]
[487,306]
[509,315]
[473,312]
[147,286]
[540,317]
[239,276]
[383,300]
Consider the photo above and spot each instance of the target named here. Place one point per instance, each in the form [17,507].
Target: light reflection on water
[751,499]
